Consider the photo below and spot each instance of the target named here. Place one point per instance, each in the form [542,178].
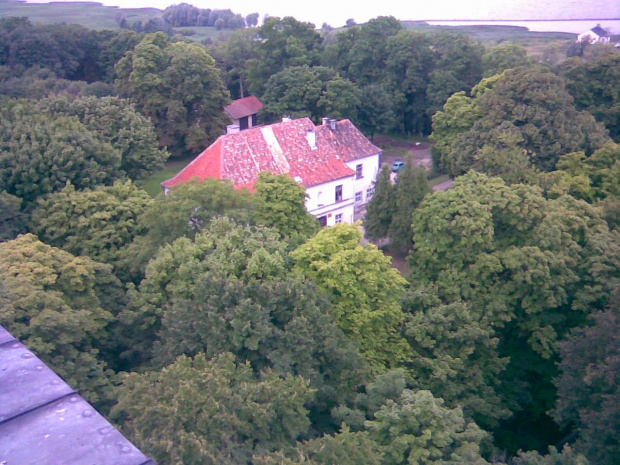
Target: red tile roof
[243,107]
[281,148]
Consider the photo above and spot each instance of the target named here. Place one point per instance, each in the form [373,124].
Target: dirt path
[419,152]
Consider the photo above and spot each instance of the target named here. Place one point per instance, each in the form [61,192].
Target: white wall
[323,195]
[370,170]
[591,37]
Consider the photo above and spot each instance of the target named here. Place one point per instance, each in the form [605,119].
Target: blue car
[397,166]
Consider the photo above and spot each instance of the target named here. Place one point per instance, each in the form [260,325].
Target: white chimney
[286,118]
[325,121]
[232,129]
[311,138]
[332,124]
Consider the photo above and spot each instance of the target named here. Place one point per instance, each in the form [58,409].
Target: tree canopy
[177,86]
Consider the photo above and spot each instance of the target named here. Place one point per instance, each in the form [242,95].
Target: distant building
[595,35]
[243,113]
[334,161]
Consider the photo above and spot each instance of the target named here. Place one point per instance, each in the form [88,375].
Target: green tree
[272,322]
[120,125]
[566,457]
[410,189]
[40,153]
[52,303]
[243,252]
[536,123]
[375,113]
[343,448]
[279,202]
[503,56]
[12,221]
[594,87]
[408,64]
[177,86]
[99,223]
[454,354]
[457,67]
[367,55]
[309,91]
[232,57]
[184,211]
[380,209]
[589,385]
[284,43]
[199,411]
[365,291]
[529,267]
[418,428]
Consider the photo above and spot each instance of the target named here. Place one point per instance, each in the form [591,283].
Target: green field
[151,184]
[87,14]
[96,16]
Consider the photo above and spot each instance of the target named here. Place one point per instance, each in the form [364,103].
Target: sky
[335,13]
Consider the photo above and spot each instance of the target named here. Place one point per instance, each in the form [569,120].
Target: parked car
[397,166]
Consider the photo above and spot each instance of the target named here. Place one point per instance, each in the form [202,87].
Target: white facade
[363,186]
[592,37]
[330,208]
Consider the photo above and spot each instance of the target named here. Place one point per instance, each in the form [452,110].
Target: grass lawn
[172,167]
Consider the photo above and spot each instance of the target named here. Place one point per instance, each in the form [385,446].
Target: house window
[358,196]
[369,194]
[338,218]
[358,172]
[339,193]
[322,221]
[319,199]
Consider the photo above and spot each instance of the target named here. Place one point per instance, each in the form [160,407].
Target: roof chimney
[311,138]
[286,118]
[232,129]
[325,121]
[332,124]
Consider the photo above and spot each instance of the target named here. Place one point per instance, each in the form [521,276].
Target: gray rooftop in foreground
[44,422]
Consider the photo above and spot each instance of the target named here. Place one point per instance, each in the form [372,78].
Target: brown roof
[243,107]
[281,148]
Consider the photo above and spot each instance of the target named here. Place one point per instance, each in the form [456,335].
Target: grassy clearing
[89,15]
[438,180]
[172,167]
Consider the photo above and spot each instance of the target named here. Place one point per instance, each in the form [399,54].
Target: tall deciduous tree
[534,122]
[284,42]
[310,91]
[119,124]
[12,220]
[184,211]
[529,267]
[177,85]
[40,153]
[365,290]
[51,302]
[279,202]
[99,223]
[501,57]
[594,86]
[199,411]
[240,251]
[589,385]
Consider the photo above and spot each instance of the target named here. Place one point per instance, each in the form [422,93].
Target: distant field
[89,15]
[493,34]
[95,16]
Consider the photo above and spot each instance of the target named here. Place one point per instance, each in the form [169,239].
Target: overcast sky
[336,12]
